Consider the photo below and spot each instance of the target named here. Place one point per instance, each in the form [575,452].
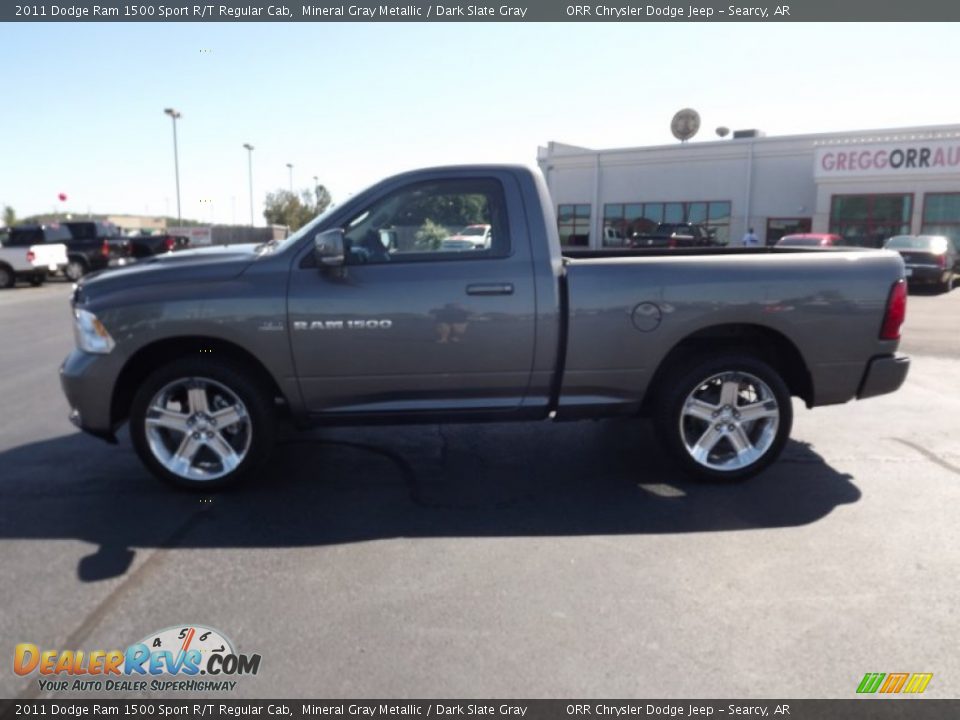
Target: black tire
[215,376]
[7,277]
[37,279]
[702,380]
[947,285]
[76,269]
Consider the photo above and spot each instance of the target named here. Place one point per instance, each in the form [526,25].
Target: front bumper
[88,381]
[885,374]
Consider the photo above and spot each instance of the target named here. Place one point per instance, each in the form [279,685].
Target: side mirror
[328,248]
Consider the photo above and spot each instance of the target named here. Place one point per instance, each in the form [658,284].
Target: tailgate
[118,247]
[50,255]
[919,258]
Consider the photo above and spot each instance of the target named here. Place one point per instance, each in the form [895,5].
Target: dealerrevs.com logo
[185,658]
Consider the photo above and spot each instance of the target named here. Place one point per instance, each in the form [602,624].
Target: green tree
[9,216]
[429,236]
[283,207]
[322,199]
[452,210]
[286,208]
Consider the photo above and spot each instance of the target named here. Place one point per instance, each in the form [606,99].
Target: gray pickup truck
[365,316]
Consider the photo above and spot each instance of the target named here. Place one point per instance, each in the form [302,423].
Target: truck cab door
[414,321]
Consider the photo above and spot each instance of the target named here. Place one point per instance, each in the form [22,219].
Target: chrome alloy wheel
[198,429]
[729,421]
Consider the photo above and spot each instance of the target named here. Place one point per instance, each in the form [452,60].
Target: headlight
[91,335]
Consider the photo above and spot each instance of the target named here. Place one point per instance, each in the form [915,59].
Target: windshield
[932,243]
[474,230]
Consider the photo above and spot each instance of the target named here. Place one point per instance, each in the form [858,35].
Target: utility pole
[249,149]
[175,115]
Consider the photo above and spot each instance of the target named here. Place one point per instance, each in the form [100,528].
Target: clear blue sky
[351,103]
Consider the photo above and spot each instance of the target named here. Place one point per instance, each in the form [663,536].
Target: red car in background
[810,240]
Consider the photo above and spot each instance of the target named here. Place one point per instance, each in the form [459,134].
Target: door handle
[490,289]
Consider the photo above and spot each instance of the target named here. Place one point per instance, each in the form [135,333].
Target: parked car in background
[929,259]
[142,246]
[810,240]
[472,237]
[23,259]
[674,235]
[94,246]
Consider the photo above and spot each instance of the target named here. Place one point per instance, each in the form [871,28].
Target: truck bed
[628,308]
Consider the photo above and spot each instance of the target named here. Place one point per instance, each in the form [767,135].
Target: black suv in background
[94,246]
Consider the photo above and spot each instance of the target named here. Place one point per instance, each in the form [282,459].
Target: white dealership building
[865,185]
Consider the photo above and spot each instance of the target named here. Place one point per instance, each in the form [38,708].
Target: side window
[441,220]
[57,234]
[25,237]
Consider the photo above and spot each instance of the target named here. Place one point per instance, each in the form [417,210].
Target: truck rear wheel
[76,269]
[202,424]
[724,418]
[946,285]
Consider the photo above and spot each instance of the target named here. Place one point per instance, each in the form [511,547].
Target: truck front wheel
[7,277]
[724,418]
[202,424]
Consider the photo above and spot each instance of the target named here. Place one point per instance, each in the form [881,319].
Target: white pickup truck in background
[29,262]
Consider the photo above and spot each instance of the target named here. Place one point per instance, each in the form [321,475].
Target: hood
[207,264]
[203,253]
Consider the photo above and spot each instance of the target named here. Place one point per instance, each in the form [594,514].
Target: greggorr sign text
[922,157]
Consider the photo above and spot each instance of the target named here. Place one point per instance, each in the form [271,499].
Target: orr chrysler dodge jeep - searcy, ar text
[364,316]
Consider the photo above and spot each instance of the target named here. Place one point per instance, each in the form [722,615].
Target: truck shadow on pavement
[349,485]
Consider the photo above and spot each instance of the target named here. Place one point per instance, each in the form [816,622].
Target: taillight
[105,249]
[31,256]
[942,260]
[672,243]
[170,244]
[896,311]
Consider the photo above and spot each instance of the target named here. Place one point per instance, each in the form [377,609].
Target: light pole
[249,149]
[290,168]
[316,188]
[175,115]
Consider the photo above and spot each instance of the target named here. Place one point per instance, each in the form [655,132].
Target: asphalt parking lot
[531,560]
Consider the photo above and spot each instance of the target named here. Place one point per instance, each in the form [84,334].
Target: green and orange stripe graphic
[914,683]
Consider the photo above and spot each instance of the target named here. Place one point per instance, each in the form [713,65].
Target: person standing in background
[750,239]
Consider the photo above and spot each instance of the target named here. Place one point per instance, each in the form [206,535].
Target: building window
[573,221]
[778,227]
[941,215]
[868,220]
[622,221]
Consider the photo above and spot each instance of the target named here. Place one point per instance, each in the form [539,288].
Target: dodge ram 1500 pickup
[362,317]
